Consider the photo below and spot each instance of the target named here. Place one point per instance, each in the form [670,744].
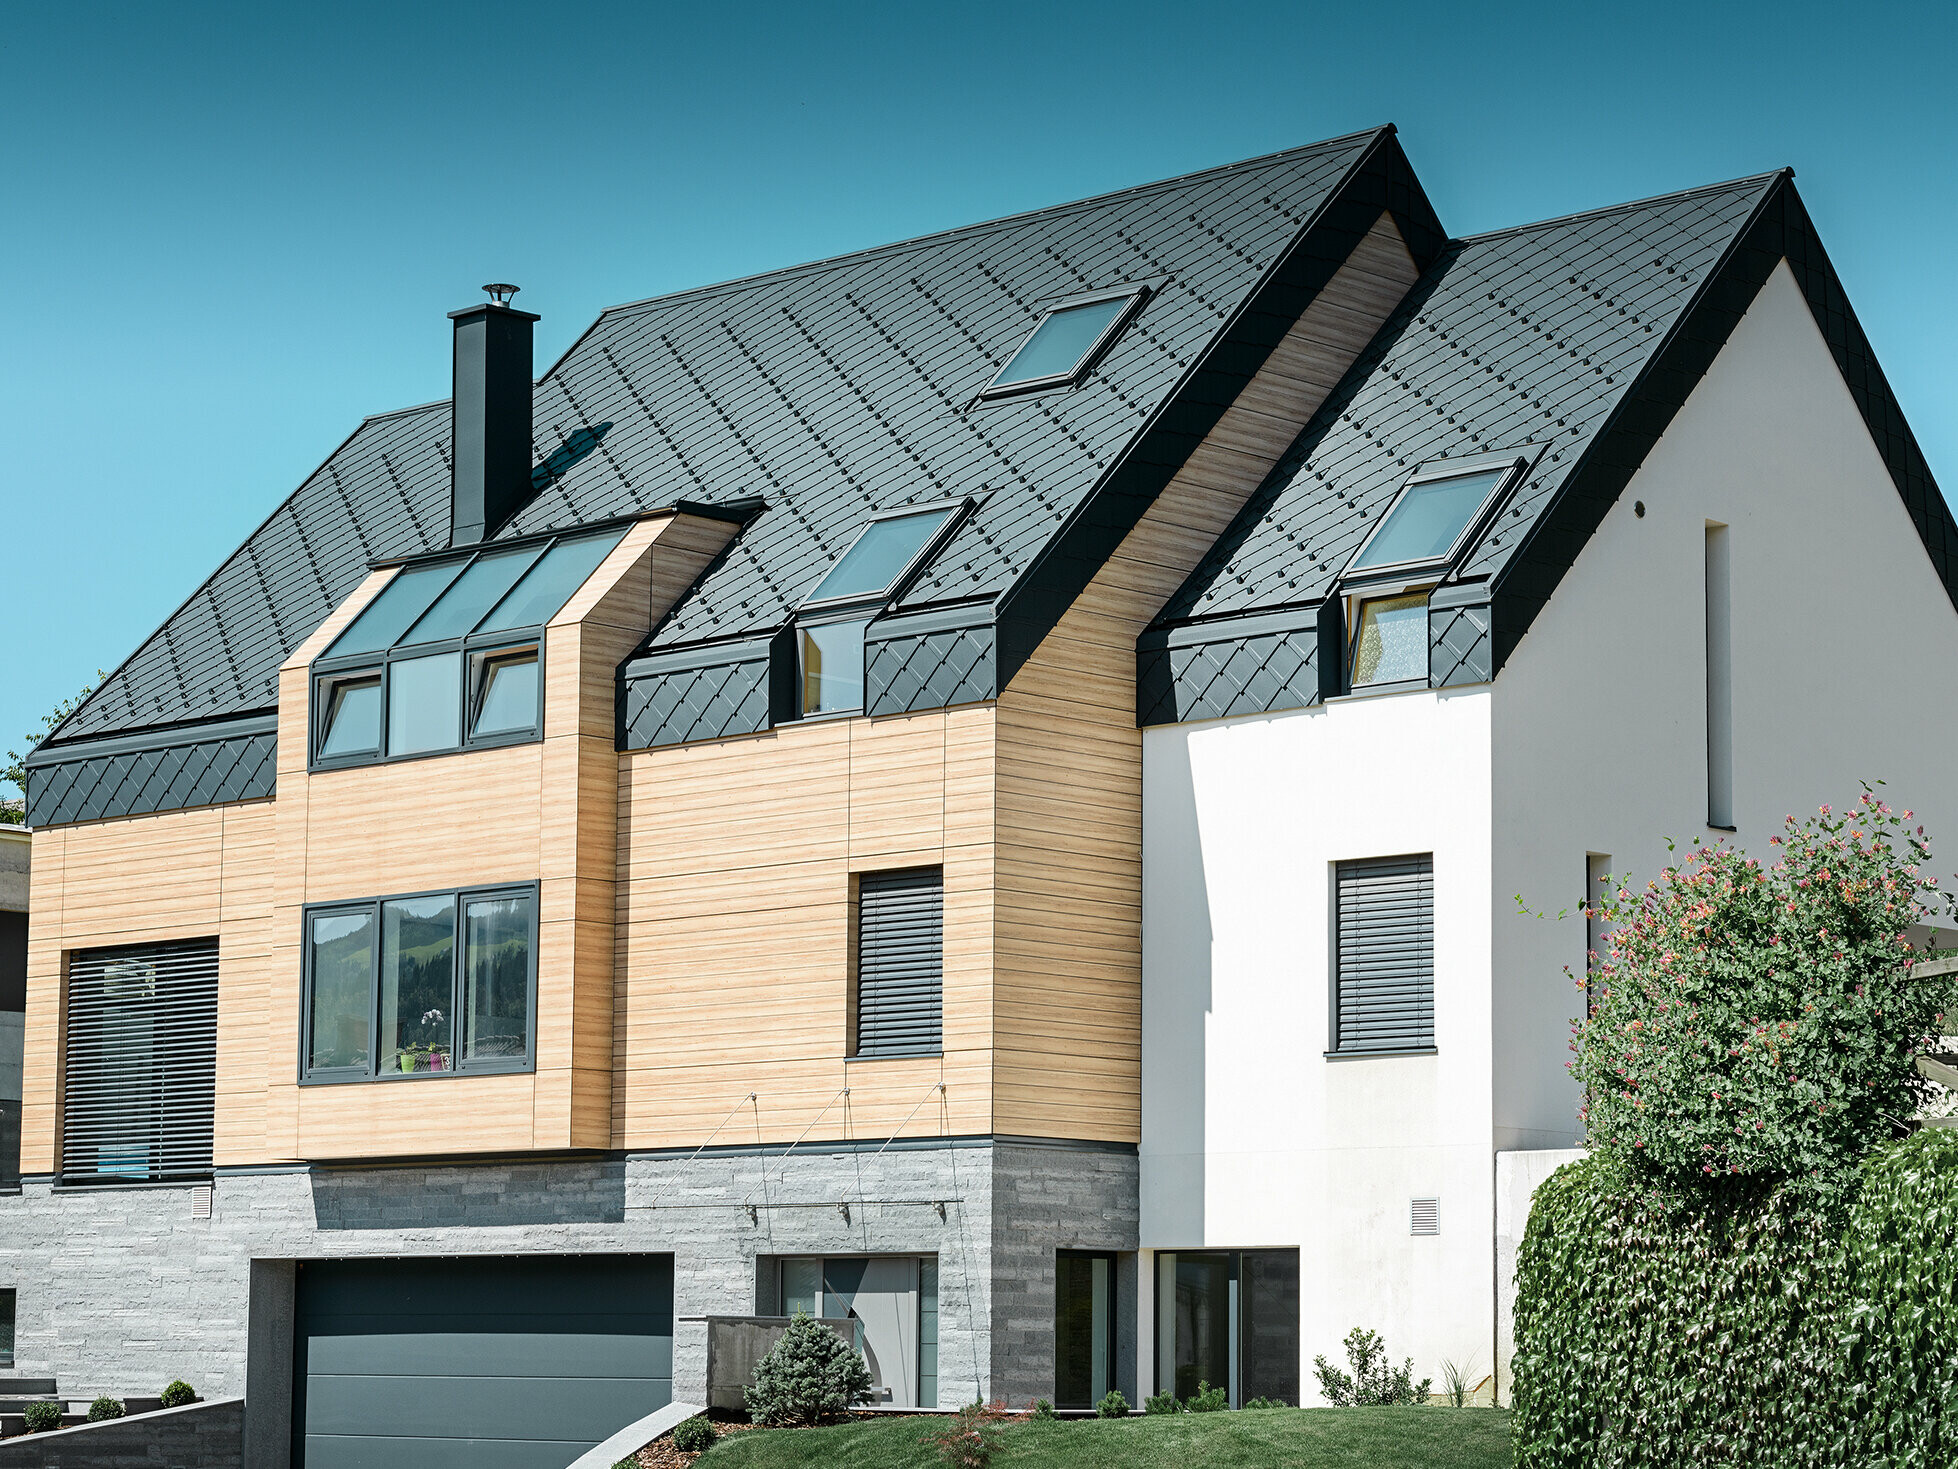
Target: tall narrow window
[496,979]
[1719,680]
[139,1072]
[900,963]
[1084,1328]
[7,1308]
[1597,868]
[1383,990]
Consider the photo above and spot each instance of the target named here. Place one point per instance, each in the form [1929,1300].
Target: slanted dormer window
[830,627]
[448,656]
[1066,342]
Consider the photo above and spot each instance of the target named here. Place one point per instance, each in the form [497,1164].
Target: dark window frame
[1113,1323]
[1138,294]
[854,1040]
[864,607]
[1334,1050]
[330,667]
[1514,462]
[347,1075]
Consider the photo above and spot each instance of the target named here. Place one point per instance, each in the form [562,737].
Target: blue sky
[232,231]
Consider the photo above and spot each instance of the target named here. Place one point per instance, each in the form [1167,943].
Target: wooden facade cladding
[696,922]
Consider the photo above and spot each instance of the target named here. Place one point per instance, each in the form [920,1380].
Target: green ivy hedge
[1655,1329]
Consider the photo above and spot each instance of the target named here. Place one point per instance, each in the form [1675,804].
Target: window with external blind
[900,963]
[1383,998]
[140,1064]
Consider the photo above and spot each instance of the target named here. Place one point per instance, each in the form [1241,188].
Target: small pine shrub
[1114,1405]
[694,1436]
[178,1394]
[1372,1383]
[808,1377]
[1266,1403]
[1209,1399]
[40,1417]
[1162,1402]
[105,1408]
[626,1464]
[968,1441]
[1043,1410]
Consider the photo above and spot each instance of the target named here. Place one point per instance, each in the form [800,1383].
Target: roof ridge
[1756,179]
[933,236]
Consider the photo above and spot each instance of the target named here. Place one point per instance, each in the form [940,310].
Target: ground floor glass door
[1084,1328]
[1229,1318]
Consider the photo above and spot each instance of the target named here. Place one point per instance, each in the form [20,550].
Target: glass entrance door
[1229,1318]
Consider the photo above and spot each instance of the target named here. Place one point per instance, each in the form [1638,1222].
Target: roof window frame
[1515,462]
[961,507]
[1138,294]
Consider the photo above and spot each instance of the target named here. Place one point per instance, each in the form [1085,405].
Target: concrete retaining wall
[207,1435]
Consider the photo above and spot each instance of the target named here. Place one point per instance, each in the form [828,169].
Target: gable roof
[1583,335]
[830,391]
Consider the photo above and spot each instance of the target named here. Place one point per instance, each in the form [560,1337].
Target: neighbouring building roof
[831,390]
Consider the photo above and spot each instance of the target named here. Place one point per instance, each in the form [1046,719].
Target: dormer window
[1066,342]
[1390,640]
[830,627]
[447,657]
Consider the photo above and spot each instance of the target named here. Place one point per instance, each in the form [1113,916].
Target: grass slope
[1312,1438]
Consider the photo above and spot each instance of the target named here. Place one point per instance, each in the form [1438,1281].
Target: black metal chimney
[490,416]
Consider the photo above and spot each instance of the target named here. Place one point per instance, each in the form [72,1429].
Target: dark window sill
[1379,1055]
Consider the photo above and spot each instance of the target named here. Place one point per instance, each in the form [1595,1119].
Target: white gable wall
[1251,1138]
[1845,651]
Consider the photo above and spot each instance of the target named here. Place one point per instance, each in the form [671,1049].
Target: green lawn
[1321,1438]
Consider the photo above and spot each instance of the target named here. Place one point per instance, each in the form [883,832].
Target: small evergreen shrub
[1162,1402]
[105,1408]
[1043,1410]
[808,1377]
[694,1436]
[178,1394]
[1112,1405]
[1209,1400]
[968,1441]
[41,1417]
[1372,1383]
[1266,1403]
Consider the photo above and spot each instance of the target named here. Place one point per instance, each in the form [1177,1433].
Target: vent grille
[900,963]
[1386,948]
[1424,1216]
[140,1063]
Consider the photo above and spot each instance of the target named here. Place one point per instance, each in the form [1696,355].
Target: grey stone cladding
[122,1289]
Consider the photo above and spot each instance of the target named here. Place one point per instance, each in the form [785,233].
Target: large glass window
[440,658]
[882,552]
[1229,1318]
[1064,344]
[832,667]
[424,712]
[441,982]
[1390,640]
[1084,1328]
[1429,518]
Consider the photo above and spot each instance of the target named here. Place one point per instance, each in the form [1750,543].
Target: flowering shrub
[1756,1023]
[968,1441]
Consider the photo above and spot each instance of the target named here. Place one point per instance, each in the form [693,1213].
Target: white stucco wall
[1251,1138]
[1845,647]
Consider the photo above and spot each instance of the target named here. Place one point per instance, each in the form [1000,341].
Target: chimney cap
[501,291]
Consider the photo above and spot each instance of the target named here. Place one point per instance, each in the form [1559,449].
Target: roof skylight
[1432,514]
[882,553]
[1064,344]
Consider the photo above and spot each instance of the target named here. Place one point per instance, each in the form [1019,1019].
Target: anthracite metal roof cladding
[832,390]
[1530,335]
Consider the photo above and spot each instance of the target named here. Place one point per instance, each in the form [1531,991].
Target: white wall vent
[200,1201]
[1424,1216]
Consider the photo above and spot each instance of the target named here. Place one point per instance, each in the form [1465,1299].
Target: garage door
[489,1363]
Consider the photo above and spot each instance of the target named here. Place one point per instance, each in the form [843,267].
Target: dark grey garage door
[486,1362]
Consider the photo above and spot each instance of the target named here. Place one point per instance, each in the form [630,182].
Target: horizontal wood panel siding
[1068,984]
[139,1074]
[1386,949]
[900,963]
